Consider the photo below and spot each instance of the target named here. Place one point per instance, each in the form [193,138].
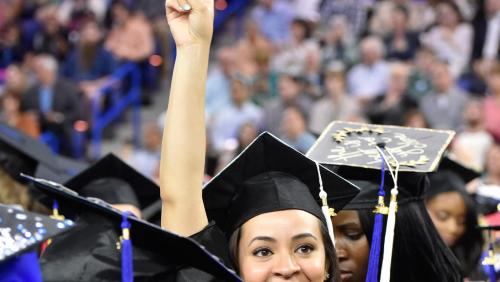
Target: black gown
[90,253]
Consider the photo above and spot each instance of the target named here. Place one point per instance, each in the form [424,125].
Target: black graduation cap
[22,231]
[114,181]
[271,176]
[354,144]
[90,251]
[451,176]
[66,169]
[20,153]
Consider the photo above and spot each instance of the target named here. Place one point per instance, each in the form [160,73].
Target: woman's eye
[305,249]
[354,235]
[442,215]
[262,252]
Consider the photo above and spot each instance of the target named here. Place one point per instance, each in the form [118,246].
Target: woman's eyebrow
[262,238]
[304,235]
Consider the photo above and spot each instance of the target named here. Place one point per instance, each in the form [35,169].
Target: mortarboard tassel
[489,260]
[385,275]
[126,250]
[325,209]
[380,211]
[55,215]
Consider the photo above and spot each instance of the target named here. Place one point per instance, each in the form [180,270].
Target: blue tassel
[491,264]
[374,258]
[126,248]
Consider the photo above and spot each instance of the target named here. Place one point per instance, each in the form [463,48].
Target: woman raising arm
[182,161]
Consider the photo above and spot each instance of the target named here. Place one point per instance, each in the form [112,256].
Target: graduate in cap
[114,181]
[21,233]
[20,153]
[269,202]
[385,233]
[110,245]
[453,212]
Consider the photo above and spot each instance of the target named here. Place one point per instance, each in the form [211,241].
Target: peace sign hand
[190,21]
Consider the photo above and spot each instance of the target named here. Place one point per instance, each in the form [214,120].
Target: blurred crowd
[295,66]
[55,56]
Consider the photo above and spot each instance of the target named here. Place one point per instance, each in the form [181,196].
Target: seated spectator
[369,78]
[474,141]
[486,25]
[131,37]
[382,24]
[487,190]
[246,134]
[274,18]
[265,82]
[291,93]
[474,80]
[218,86]
[337,43]
[491,106]
[294,131]
[295,53]
[55,101]
[391,107]
[12,49]
[444,106]
[226,123]
[355,11]
[420,83]
[71,10]
[336,105]
[89,62]
[401,43]
[306,9]
[415,118]
[450,38]
[252,43]
[53,38]
[146,159]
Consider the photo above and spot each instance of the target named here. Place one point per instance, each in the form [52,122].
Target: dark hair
[469,247]
[308,31]
[403,9]
[419,254]
[330,253]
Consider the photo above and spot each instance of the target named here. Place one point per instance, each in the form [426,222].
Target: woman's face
[351,245]
[447,211]
[283,245]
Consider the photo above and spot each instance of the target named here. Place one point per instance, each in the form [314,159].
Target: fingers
[200,5]
[184,5]
[173,6]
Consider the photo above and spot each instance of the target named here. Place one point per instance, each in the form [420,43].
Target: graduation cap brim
[26,230]
[467,174]
[354,144]
[111,166]
[267,153]
[143,234]
[490,227]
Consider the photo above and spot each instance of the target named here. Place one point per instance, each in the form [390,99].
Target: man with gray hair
[369,78]
[56,102]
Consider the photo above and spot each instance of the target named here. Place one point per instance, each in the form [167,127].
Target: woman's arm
[183,146]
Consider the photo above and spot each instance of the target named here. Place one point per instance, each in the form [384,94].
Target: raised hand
[190,21]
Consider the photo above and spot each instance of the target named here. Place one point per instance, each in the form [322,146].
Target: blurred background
[88,77]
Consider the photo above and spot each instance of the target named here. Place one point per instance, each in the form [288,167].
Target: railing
[121,101]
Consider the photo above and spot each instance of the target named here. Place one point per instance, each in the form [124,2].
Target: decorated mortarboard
[20,153]
[109,245]
[114,181]
[271,176]
[21,232]
[366,154]
[355,144]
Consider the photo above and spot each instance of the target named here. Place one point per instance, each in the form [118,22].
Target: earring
[327,276]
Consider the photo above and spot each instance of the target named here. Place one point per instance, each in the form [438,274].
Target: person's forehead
[286,222]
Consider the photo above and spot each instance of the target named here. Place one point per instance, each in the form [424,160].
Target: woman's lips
[345,275]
